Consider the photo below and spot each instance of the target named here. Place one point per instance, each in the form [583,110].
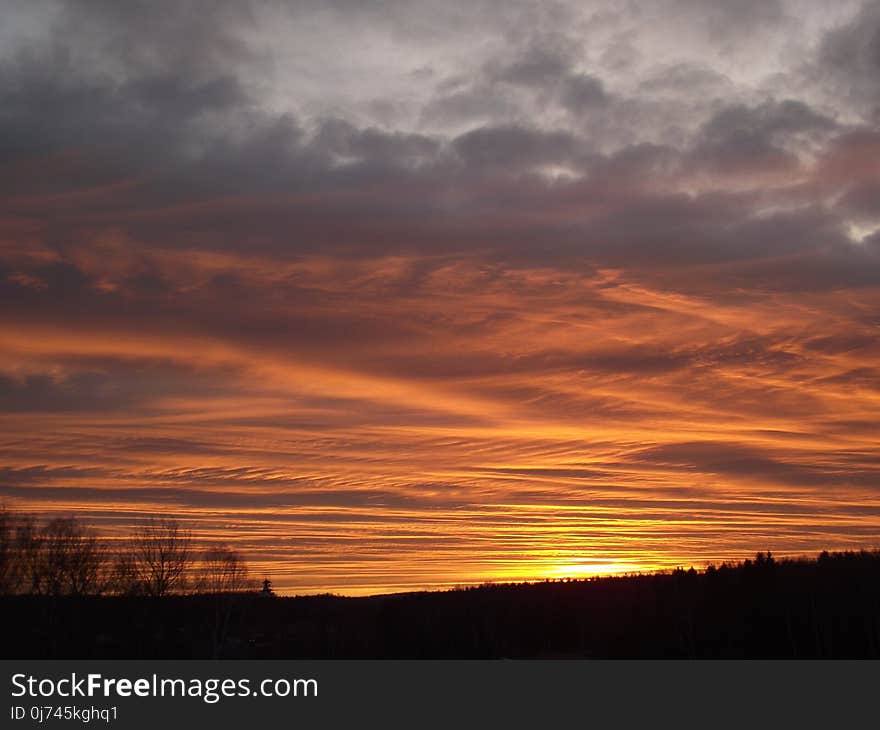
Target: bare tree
[224,575]
[63,557]
[123,576]
[28,546]
[223,570]
[71,558]
[8,561]
[162,556]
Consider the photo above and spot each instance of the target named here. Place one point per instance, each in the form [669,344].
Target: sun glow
[593,570]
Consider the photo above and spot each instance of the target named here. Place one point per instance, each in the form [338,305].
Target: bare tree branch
[162,556]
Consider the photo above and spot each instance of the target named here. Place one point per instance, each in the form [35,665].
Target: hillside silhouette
[828,607]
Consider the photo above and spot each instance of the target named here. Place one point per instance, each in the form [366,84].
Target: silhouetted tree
[224,574]
[162,556]
[801,608]
[223,570]
[30,577]
[71,558]
[8,562]
[62,557]
[123,576]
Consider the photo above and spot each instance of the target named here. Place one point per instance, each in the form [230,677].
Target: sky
[403,295]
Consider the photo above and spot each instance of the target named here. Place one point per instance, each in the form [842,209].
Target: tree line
[62,556]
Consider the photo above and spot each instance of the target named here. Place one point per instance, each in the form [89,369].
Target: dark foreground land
[825,608]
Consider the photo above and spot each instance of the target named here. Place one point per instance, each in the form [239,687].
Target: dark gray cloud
[745,461]
[515,148]
[540,66]
[725,20]
[582,93]
[849,58]
[684,78]
[97,385]
[139,37]
[211,499]
[192,127]
[863,201]
[758,139]
[338,139]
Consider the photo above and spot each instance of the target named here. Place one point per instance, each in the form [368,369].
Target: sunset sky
[394,295]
